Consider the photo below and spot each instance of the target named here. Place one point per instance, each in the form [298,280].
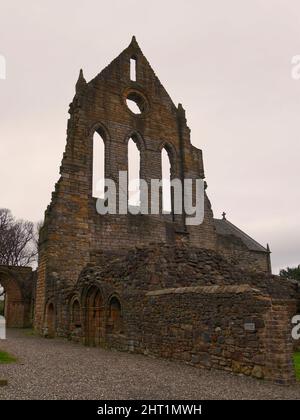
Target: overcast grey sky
[228,62]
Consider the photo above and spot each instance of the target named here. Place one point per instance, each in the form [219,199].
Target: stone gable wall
[143,261]
[72,227]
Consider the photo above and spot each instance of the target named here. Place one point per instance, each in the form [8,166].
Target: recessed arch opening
[12,304]
[76,313]
[115,319]
[93,316]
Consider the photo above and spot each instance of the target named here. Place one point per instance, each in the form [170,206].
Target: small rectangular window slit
[133,69]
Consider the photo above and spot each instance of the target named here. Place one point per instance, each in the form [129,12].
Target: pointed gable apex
[146,79]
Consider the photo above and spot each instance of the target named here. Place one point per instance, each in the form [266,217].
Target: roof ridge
[241,232]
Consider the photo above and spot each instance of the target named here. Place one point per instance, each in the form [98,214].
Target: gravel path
[58,369]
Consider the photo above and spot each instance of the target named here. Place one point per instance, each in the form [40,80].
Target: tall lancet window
[134,162]
[166,181]
[98,166]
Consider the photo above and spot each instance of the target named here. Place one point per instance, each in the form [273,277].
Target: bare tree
[18,240]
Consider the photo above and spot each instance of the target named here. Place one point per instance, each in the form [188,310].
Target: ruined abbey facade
[152,284]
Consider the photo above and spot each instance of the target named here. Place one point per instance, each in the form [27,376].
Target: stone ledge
[217,289]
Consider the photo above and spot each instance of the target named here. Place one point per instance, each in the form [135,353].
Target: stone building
[237,245]
[153,284]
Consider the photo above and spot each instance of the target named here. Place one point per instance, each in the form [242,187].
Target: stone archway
[17,284]
[94,322]
[13,302]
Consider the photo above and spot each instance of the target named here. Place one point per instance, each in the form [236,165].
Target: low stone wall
[186,304]
[233,328]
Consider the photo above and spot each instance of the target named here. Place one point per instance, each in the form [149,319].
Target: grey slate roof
[224,227]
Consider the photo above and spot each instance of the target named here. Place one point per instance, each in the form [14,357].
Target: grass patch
[6,357]
[297,365]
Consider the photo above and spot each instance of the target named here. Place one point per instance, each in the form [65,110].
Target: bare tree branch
[18,240]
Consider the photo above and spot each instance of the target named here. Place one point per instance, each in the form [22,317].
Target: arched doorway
[12,302]
[17,284]
[94,317]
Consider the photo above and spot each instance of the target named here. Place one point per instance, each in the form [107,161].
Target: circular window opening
[136,103]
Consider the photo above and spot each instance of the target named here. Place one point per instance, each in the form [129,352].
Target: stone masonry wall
[205,326]
[234,249]
[192,305]
[221,327]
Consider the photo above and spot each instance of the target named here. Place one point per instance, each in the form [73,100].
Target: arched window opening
[166,182]
[76,319]
[98,165]
[134,193]
[133,69]
[115,316]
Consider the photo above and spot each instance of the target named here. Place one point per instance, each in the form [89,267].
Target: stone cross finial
[224,215]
